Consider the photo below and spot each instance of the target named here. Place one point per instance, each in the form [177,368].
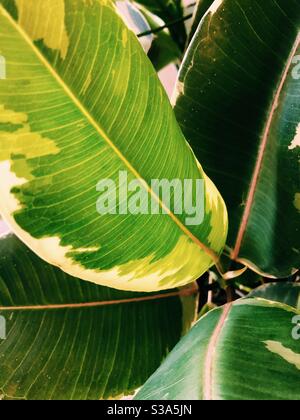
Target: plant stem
[166,26]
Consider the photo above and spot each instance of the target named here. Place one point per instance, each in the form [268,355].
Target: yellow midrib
[102,133]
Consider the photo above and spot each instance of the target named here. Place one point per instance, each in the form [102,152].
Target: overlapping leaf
[172,13]
[200,10]
[135,21]
[67,339]
[164,49]
[239,107]
[248,350]
[82,103]
[287,293]
[157,43]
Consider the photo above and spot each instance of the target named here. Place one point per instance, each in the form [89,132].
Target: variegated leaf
[65,339]
[287,293]
[82,103]
[247,350]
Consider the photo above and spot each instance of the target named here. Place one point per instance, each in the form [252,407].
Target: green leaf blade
[287,293]
[238,106]
[86,110]
[250,354]
[67,339]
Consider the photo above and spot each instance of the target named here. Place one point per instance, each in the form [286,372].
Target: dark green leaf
[287,293]
[201,8]
[238,105]
[68,339]
[243,351]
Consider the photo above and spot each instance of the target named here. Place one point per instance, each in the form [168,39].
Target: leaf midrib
[190,291]
[211,353]
[106,138]
[261,155]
